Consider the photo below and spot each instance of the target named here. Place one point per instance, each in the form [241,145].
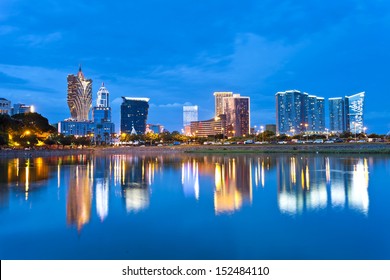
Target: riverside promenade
[341,148]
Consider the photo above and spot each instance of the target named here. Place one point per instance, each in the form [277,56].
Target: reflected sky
[175,191]
[303,183]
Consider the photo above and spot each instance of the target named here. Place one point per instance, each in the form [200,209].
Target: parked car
[318,141]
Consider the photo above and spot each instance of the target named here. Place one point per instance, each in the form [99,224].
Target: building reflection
[79,198]
[102,171]
[135,174]
[233,183]
[190,177]
[22,173]
[312,183]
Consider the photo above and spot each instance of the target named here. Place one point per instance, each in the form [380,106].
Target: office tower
[103,127]
[298,112]
[336,115]
[354,112]
[5,106]
[190,114]
[103,97]
[237,111]
[79,96]
[315,114]
[102,111]
[134,113]
[219,96]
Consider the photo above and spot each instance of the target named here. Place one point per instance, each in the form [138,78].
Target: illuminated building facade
[336,114]
[190,114]
[101,114]
[298,112]
[346,114]
[219,96]
[209,127]
[354,112]
[79,96]
[134,114]
[5,106]
[315,113]
[237,111]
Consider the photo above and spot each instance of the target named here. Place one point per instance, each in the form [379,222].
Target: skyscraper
[219,96]
[190,114]
[314,113]
[104,128]
[298,112]
[346,114]
[134,114]
[103,97]
[354,112]
[79,96]
[237,111]
[289,112]
[336,114]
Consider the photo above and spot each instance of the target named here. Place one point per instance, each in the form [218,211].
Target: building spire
[80,74]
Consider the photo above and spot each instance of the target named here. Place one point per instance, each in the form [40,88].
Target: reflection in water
[135,175]
[313,183]
[233,183]
[79,200]
[304,183]
[190,177]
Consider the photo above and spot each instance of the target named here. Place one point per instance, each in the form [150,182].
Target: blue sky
[179,52]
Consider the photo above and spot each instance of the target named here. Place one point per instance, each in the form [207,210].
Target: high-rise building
[298,112]
[315,113]
[237,111]
[289,112]
[354,112]
[79,96]
[5,106]
[336,115]
[103,97]
[190,114]
[134,114]
[346,114]
[104,128]
[219,96]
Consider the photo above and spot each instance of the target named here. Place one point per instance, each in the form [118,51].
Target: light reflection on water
[303,183]
[228,206]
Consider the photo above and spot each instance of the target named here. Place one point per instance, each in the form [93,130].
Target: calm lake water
[195,207]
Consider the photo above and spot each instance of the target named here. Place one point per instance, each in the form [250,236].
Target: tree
[152,137]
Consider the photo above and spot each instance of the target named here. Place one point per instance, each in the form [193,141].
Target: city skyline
[176,59]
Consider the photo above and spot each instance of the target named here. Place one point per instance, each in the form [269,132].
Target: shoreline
[342,148]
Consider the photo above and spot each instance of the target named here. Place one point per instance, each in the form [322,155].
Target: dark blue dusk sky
[179,52]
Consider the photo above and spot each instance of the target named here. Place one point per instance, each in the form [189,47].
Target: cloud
[34,40]
[7,29]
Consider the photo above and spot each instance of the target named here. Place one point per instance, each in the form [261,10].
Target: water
[195,207]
